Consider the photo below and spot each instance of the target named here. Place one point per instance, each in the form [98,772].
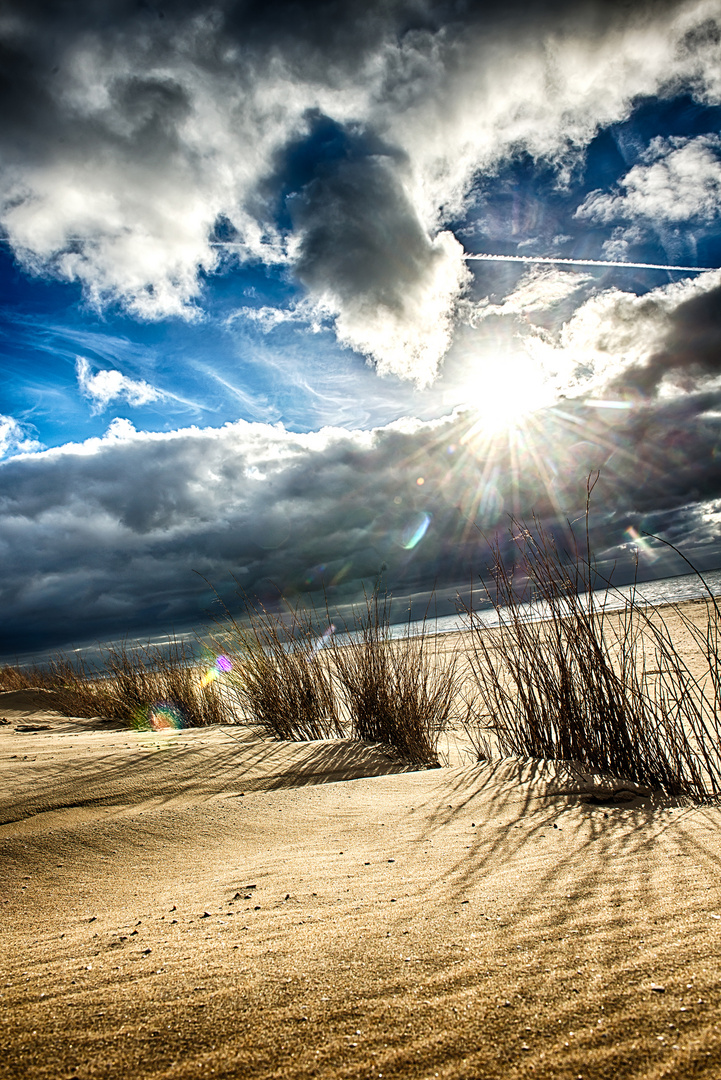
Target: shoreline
[28,659]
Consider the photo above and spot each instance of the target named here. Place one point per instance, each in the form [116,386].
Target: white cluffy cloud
[616,333]
[127,139]
[15,437]
[678,179]
[110,385]
[539,290]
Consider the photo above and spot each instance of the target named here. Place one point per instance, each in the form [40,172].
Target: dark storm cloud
[690,352]
[103,539]
[365,252]
[117,533]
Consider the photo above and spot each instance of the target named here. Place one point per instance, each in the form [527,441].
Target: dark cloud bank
[106,541]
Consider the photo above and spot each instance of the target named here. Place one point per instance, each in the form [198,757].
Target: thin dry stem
[610,691]
[145,686]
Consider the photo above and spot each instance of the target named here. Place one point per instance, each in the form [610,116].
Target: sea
[669,590]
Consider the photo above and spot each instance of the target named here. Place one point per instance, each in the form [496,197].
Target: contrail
[484,257]
[587,262]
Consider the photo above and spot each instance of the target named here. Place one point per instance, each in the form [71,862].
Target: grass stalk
[563,677]
[398,691]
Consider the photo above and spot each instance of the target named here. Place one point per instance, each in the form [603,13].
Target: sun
[503,392]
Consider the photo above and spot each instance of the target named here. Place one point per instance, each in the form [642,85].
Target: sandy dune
[206,903]
[76,769]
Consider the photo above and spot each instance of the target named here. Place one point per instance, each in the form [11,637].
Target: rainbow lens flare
[414,531]
[162,717]
[221,666]
[642,545]
[323,640]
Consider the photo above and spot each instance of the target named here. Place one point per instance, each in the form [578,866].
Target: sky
[242,346]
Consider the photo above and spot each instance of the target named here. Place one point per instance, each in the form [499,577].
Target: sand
[209,903]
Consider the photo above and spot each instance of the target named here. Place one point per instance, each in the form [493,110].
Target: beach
[208,902]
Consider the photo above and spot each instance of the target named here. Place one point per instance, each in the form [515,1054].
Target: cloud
[110,385]
[678,180]
[366,257]
[116,526]
[140,512]
[130,142]
[688,356]
[540,290]
[15,437]
[666,341]
[269,318]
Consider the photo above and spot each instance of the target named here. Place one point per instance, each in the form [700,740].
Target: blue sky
[222,364]
[238,333]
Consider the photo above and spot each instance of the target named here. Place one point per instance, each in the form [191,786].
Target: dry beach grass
[293,677]
[141,687]
[601,681]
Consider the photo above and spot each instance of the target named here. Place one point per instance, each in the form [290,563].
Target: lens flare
[221,666]
[316,574]
[642,545]
[414,531]
[342,573]
[323,640]
[162,717]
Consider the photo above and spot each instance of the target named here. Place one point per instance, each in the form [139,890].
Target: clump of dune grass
[149,686]
[15,677]
[162,686]
[277,673]
[299,683]
[562,676]
[398,690]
